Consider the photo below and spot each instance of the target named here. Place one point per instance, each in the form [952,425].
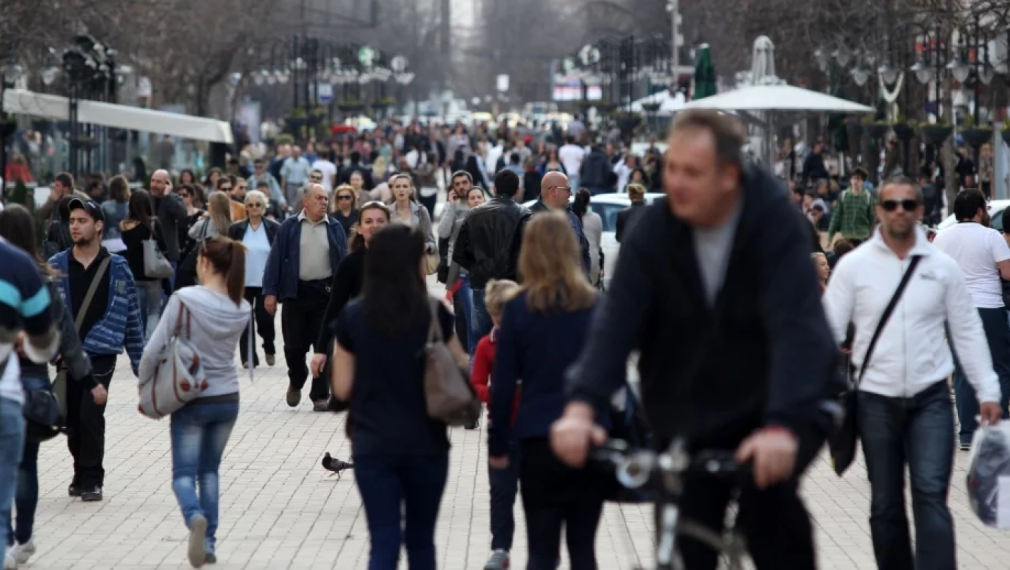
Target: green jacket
[853,216]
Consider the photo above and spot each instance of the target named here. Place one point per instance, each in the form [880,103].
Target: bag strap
[435,328]
[887,315]
[99,275]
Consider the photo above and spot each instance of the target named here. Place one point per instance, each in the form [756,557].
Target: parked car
[607,206]
[996,209]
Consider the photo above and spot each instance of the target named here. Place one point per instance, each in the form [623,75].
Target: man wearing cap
[98,291]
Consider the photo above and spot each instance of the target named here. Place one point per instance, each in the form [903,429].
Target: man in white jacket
[905,413]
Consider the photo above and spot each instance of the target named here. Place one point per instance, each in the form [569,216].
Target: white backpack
[178,376]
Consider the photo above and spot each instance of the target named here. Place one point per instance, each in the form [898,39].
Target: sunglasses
[907,205]
[254,205]
[344,197]
[224,188]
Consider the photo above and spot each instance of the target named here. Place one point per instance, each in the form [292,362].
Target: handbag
[448,395]
[178,377]
[60,384]
[432,262]
[43,417]
[156,266]
[843,442]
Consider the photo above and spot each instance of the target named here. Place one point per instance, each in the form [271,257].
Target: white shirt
[493,155]
[623,172]
[571,156]
[10,380]
[911,353]
[329,171]
[977,249]
[258,250]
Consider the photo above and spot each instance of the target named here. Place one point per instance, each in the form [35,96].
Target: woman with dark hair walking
[139,226]
[17,226]
[115,209]
[200,429]
[401,454]
[592,227]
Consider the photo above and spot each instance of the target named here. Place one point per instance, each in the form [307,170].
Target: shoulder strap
[887,315]
[99,275]
[435,328]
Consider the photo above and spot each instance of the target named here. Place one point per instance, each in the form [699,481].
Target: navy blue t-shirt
[387,402]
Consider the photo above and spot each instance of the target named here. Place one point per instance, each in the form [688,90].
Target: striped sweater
[120,326]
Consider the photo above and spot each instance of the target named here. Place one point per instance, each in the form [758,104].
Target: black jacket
[594,170]
[346,285]
[171,214]
[237,230]
[487,245]
[627,218]
[580,235]
[771,359]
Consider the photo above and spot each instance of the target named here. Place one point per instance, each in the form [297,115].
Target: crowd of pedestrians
[341,240]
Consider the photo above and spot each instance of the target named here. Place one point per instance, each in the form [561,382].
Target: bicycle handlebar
[635,467]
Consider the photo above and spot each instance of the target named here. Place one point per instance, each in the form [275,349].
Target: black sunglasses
[345,197]
[907,205]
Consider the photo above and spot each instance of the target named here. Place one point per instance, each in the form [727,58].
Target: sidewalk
[280,509]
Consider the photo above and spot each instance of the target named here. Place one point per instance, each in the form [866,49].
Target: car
[607,206]
[996,209]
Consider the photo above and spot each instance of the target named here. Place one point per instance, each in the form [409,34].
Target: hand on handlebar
[574,432]
[772,451]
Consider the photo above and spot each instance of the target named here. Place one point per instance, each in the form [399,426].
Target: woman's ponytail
[227,256]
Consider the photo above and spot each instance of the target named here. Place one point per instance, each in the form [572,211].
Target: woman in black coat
[257,233]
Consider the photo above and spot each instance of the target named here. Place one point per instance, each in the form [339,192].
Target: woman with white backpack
[212,317]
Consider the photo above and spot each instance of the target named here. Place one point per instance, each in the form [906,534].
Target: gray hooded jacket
[215,329]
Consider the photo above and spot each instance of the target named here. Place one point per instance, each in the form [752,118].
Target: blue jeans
[26,494]
[149,299]
[997,333]
[199,434]
[12,438]
[411,484]
[919,432]
[464,296]
[504,484]
[480,321]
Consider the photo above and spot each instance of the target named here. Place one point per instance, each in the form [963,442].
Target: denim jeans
[12,437]
[26,494]
[464,296]
[395,484]
[997,333]
[149,299]
[480,322]
[918,431]
[199,434]
[504,486]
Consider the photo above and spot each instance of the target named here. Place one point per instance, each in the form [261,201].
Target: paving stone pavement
[281,510]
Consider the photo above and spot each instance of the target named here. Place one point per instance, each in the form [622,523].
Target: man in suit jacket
[628,217]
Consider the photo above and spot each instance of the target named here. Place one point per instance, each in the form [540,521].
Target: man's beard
[904,233]
[83,241]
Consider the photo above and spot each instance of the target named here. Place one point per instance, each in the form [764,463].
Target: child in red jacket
[504,482]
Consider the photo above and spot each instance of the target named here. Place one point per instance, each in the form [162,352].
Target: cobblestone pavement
[279,509]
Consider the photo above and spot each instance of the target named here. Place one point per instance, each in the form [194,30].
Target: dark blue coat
[281,275]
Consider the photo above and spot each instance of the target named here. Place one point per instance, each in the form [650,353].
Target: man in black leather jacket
[488,244]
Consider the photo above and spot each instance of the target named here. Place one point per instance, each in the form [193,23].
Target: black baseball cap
[89,206]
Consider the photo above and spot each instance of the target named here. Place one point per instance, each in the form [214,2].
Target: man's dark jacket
[772,360]
[171,214]
[280,277]
[627,218]
[576,224]
[487,245]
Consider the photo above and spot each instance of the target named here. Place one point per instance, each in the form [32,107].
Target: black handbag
[843,443]
[42,414]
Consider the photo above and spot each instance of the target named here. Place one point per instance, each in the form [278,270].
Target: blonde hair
[255,194]
[550,266]
[334,203]
[497,292]
[219,207]
[816,256]
[635,190]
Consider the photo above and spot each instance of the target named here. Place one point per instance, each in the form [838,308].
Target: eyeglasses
[254,205]
[565,188]
[907,205]
[345,197]
[224,188]
[315,178]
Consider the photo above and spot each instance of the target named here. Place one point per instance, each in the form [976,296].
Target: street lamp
[860,75]
[923,72]
[959,68]
[843,55]
[888,73]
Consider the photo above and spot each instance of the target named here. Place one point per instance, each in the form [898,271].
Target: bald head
[160,183]
[315,200]
[555,191]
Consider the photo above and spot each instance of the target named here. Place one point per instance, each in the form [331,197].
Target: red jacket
[480,375]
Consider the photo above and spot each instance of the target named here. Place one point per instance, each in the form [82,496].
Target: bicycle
[637,468]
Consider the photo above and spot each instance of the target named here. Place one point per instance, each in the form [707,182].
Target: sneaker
[74,490]
[210,558]
[321,406]
[245,364]
[91,494]
[294,396]
[271,359]
[499,560]
[22,552]
[9,562]
[965,446]
[197,535]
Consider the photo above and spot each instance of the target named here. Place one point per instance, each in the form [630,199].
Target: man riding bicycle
[716,289]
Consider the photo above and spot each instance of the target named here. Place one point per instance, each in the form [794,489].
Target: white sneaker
[9,562]
[22,552]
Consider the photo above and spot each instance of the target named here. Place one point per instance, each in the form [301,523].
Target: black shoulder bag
[842,444]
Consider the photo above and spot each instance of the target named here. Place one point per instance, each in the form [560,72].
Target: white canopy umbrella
[777,98]
[668,104]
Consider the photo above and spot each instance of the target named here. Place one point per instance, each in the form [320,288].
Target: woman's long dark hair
[17,226]
[141,210]
[227,257]
[581,203]
[394,296]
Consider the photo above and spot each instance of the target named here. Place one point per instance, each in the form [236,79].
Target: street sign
[324,93]
[398,64]
[366,56]
[503,83]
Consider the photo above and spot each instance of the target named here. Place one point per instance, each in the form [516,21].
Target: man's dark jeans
[997,333]
[301,320]
[86,425]
[504,484]
[401,491]
[918,431]
[480,321]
